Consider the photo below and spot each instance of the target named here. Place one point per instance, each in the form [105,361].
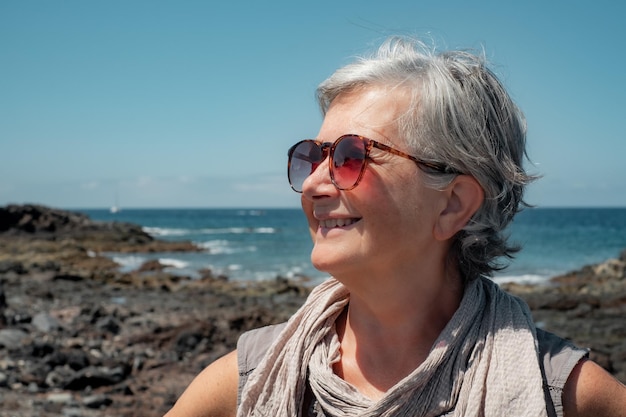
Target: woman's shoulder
[251,347]
[211,393]
[578,386]
[253,344]
[557,357]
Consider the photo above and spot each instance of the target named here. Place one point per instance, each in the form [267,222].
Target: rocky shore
[78,337]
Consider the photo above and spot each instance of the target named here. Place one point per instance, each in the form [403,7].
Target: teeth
[330,223]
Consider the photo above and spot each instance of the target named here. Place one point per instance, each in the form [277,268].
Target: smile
[332,223]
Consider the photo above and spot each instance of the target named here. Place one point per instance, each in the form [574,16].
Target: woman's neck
[388,333]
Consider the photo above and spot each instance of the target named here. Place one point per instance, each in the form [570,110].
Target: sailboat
[115,207]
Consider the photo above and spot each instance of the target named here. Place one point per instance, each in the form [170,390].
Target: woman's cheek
[307,208]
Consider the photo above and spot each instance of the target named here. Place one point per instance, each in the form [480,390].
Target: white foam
[267,230]
[175,263]
[237,230]
[177,232]
[217,247]
[222,247]
[129,262]
[521,279]
[162,231]
[213,244]
[250,212]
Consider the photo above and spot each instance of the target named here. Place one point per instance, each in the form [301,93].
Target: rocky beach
[79,337]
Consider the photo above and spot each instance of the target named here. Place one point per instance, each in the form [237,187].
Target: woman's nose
[319,182]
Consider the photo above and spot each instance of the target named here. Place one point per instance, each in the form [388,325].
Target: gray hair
[460,114]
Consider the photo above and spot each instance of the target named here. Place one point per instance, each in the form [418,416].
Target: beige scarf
[484,363]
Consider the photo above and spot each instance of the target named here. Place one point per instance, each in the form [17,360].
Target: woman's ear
[464,197]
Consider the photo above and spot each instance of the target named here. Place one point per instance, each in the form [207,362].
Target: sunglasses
[348,158]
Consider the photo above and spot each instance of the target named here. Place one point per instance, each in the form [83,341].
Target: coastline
[80,337]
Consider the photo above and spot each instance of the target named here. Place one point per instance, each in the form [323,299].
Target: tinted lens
[348,161]
[304,157]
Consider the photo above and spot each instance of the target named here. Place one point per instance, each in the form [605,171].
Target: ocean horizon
[263,243]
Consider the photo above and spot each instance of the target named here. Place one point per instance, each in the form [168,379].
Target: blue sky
[194,103]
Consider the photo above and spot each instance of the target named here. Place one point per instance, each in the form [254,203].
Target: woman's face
[387,221]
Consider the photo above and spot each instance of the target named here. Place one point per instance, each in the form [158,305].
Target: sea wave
[521,279]
[251,212]
[129,263]
[174,263]
[224,247]
[237,230]
[164,231]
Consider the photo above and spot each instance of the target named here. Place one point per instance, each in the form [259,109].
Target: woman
[415,173]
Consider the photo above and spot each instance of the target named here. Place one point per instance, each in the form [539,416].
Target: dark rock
[7,266]
[18,318]
[60,377]
[109,324]
[151,266]
[95,377]
[54,225]
[48,265]
[68,277]
[41,349]
[34,218]
[3,305]
[74,358]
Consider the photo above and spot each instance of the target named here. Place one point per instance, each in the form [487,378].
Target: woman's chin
[331,259]
[324,259]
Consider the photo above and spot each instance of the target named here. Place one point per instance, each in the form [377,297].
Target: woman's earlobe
[464,198]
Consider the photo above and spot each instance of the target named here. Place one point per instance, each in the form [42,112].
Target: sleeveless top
[558,357]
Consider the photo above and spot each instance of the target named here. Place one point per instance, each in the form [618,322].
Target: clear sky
[195,103]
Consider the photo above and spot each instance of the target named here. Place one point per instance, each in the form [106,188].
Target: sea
[262,244]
